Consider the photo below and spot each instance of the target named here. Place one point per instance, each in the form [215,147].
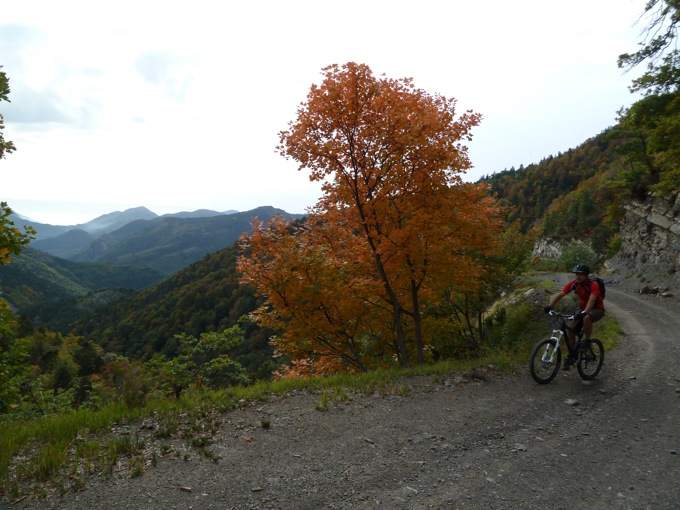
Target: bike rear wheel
[544,362]
[590,363]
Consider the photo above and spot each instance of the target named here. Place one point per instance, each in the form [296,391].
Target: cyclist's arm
[556,299]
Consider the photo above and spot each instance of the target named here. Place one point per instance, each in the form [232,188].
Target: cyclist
[591,306]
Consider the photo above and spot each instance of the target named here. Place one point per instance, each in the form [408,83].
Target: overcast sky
[176,106]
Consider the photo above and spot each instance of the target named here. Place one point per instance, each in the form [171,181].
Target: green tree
[653,124]
[5,146]
[201,361]
[11,238]
[647,141]
[578,252]
[13,351]
[467,310]
[14,354]
[663,68]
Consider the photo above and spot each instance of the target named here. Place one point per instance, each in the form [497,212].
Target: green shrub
[614,245]
[577,252]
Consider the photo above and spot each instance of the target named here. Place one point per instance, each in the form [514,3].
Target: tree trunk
[418,322]
[399,330]
[397,309]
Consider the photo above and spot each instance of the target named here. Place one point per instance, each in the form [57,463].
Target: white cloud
[177,106]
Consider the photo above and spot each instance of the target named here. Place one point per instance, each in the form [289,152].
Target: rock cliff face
[650,242]
[546,248]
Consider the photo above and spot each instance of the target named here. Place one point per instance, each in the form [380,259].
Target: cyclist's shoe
[585,345]
[568,362]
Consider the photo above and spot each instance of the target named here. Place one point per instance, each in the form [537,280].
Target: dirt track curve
[504,443]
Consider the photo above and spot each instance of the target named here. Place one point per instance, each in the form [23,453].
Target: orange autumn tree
[317,294]
[390,157]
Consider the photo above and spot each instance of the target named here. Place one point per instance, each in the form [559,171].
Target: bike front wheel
[544,362]
[591,361]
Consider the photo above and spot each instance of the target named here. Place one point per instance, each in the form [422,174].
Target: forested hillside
[205,296]
[35,282]
[582,192]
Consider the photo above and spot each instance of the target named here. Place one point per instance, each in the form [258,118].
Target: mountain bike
[546,356]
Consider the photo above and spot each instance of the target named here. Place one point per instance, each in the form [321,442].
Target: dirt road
[503,443]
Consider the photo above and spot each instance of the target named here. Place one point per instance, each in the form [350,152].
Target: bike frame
[559,334]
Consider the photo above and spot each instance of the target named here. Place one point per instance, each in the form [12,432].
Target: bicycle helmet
[581,268]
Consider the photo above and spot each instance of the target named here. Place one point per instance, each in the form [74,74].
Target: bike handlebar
[570,316]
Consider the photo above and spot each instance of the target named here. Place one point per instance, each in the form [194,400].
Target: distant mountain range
[132,249]
[110,222]
[139,237]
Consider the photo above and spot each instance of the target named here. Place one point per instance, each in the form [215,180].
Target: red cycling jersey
[584,294]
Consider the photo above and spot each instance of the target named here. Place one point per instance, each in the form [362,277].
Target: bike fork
[557,335]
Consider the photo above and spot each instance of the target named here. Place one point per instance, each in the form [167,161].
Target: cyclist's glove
[582,314]
[548,309]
